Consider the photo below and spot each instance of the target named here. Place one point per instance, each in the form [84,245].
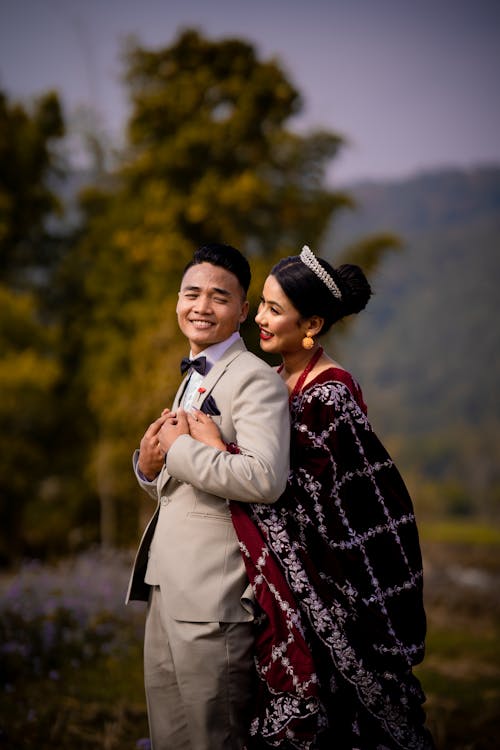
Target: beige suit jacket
[190,547]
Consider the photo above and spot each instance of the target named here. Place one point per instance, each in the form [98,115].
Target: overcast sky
[411,84]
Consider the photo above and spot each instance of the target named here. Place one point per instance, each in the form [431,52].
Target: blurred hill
[427,348]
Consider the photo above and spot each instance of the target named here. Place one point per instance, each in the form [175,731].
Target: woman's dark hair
[227,257]
[311,296]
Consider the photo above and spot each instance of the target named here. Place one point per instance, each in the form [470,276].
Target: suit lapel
[180,393]
[217,371]
[211,379]
[164,475]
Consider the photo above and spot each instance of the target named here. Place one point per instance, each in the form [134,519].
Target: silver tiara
[309,259]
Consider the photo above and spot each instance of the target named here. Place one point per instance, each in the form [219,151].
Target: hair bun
[356,290]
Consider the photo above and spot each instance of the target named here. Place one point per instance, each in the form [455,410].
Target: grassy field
[98,706]
[72,653]
[461,671]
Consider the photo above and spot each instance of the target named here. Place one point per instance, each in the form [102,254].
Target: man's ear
[244,311]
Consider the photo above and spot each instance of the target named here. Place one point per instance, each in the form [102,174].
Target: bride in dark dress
[335,563]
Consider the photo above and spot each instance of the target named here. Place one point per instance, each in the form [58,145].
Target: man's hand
[172,427]
[151,455]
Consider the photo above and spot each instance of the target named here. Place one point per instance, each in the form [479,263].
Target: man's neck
[215,351]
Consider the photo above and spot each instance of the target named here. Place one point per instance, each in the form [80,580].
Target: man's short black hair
[226,256]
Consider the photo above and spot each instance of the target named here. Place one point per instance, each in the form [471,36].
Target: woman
[335,563]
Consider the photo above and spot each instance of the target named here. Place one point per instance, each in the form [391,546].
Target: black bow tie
[199,364]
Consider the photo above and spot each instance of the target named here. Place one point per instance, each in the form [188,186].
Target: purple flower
[55,616]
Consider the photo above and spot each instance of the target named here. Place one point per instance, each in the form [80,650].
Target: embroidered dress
[336,568]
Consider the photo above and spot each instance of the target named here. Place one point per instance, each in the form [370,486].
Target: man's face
[211,305]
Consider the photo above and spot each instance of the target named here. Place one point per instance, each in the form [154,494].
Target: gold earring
[307,342]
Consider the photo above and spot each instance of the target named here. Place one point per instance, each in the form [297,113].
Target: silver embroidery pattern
[284,708]
[318,497]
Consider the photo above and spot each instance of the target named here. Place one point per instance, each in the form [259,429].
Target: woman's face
[281,326]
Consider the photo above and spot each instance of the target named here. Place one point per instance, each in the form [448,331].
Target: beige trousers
[199,679]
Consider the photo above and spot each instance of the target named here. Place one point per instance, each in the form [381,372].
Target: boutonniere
[201,390]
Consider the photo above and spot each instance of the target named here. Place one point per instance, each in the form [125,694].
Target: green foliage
[210,158]
[210,140]
[92,350]
[27,160]
[30,369]
[460,532]
[368,252]
[462,683]
[461,670]
[28,373]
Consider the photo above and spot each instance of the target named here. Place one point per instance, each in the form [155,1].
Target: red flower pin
[201,390]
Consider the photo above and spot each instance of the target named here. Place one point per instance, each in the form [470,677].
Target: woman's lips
[265,335]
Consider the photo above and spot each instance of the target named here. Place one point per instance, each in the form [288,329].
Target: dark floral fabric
[336,568]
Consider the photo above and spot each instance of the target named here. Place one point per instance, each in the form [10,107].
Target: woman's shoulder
[331,373]
[331,377]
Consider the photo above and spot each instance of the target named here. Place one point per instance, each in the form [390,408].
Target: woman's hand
[175,424]
[203,428]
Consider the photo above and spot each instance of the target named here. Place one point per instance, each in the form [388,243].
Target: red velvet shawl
[336,568]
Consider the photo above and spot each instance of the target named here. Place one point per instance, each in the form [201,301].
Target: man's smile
[201,323]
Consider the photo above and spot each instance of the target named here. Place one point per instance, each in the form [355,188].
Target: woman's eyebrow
[272,303]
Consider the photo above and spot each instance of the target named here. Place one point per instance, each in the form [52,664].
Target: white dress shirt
[212,353]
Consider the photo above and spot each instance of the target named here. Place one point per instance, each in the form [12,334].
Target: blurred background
[131,133]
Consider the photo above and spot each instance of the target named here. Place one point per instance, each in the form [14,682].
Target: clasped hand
[162,433]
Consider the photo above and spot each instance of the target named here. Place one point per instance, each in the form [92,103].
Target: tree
[28,162]
[210,157]
[28,373]
[29,367]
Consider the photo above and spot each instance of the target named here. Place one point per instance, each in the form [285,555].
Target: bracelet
[232,448]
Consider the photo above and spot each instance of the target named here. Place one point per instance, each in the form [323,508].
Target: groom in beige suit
[198,648]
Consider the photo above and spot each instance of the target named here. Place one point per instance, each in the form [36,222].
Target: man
[198,648]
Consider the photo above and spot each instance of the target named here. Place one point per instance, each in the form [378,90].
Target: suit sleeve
[150,487]
[260,414]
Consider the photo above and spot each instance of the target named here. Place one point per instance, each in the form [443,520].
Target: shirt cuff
[144,478]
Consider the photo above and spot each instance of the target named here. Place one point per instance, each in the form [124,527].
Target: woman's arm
[203,428]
